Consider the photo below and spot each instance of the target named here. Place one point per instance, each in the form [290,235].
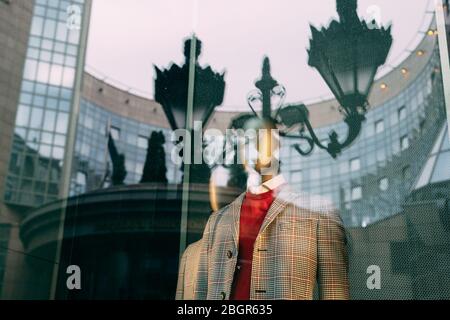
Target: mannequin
[271,242]
[261,162]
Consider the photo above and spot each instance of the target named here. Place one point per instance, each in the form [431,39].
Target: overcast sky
[128,36]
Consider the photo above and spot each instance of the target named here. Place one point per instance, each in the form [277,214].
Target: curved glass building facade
[48,97]
[92,168]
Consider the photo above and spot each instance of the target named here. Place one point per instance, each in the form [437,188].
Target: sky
[128,37]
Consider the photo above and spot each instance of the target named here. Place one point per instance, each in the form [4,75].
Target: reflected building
[371,180]
[391,185]
[43,45]
[49,95]
[131,120]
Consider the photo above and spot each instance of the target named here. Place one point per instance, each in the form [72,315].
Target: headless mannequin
[262,165]
[262,185]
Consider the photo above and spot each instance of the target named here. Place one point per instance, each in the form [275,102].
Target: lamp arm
[312,140]
[308,151]
[314,137]
[354,123]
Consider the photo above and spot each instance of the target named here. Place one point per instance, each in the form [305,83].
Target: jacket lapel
[284,197]
[235,209]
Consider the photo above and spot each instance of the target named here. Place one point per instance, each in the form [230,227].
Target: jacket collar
[257,188]
[284,197]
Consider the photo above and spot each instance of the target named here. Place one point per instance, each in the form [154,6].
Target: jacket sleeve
[201,286]
[332,257]
[181,275]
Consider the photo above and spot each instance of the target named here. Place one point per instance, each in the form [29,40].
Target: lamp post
[189,94]
[347,54]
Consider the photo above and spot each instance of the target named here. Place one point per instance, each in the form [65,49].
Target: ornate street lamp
[347,54]
[187,97]
[172,88]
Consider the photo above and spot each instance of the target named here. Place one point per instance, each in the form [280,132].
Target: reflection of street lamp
[347,55]
[188,97]
[172,89]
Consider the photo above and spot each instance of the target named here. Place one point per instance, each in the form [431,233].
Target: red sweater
[253,211]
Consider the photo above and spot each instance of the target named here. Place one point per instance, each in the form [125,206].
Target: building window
[379,126]
[355,165]
[130,166]
[315,174]
[406,173]
[402,113]
[383,184]
[89,122]
[404,143]
[85,149]
[131,139]
[326,172]
[356,193]
[142,142]
[381,155]
[343,167]
[115,133]
[139,168]
[81,181]
[296,177]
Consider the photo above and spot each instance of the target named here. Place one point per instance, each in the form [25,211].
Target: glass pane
[36,118]
[49,28]
[30,69]
[425,176]
[446,145]
[122,140]
[356,193]
[23,114]
[355,165]
[62,122]
[379,126]
[384,184]
[142,142]
[36,28]
[442,168]
[49,120]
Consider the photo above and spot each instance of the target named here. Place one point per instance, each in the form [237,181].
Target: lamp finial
[347,9]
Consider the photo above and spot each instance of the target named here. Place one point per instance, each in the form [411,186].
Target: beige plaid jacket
[187,273]
[301,241]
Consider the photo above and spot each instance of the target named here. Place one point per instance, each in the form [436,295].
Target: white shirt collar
[255,186]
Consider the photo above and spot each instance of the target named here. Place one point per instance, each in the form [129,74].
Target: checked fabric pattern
[302,241]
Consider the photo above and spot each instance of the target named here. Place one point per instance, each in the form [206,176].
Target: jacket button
[229,254]
[223,295]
